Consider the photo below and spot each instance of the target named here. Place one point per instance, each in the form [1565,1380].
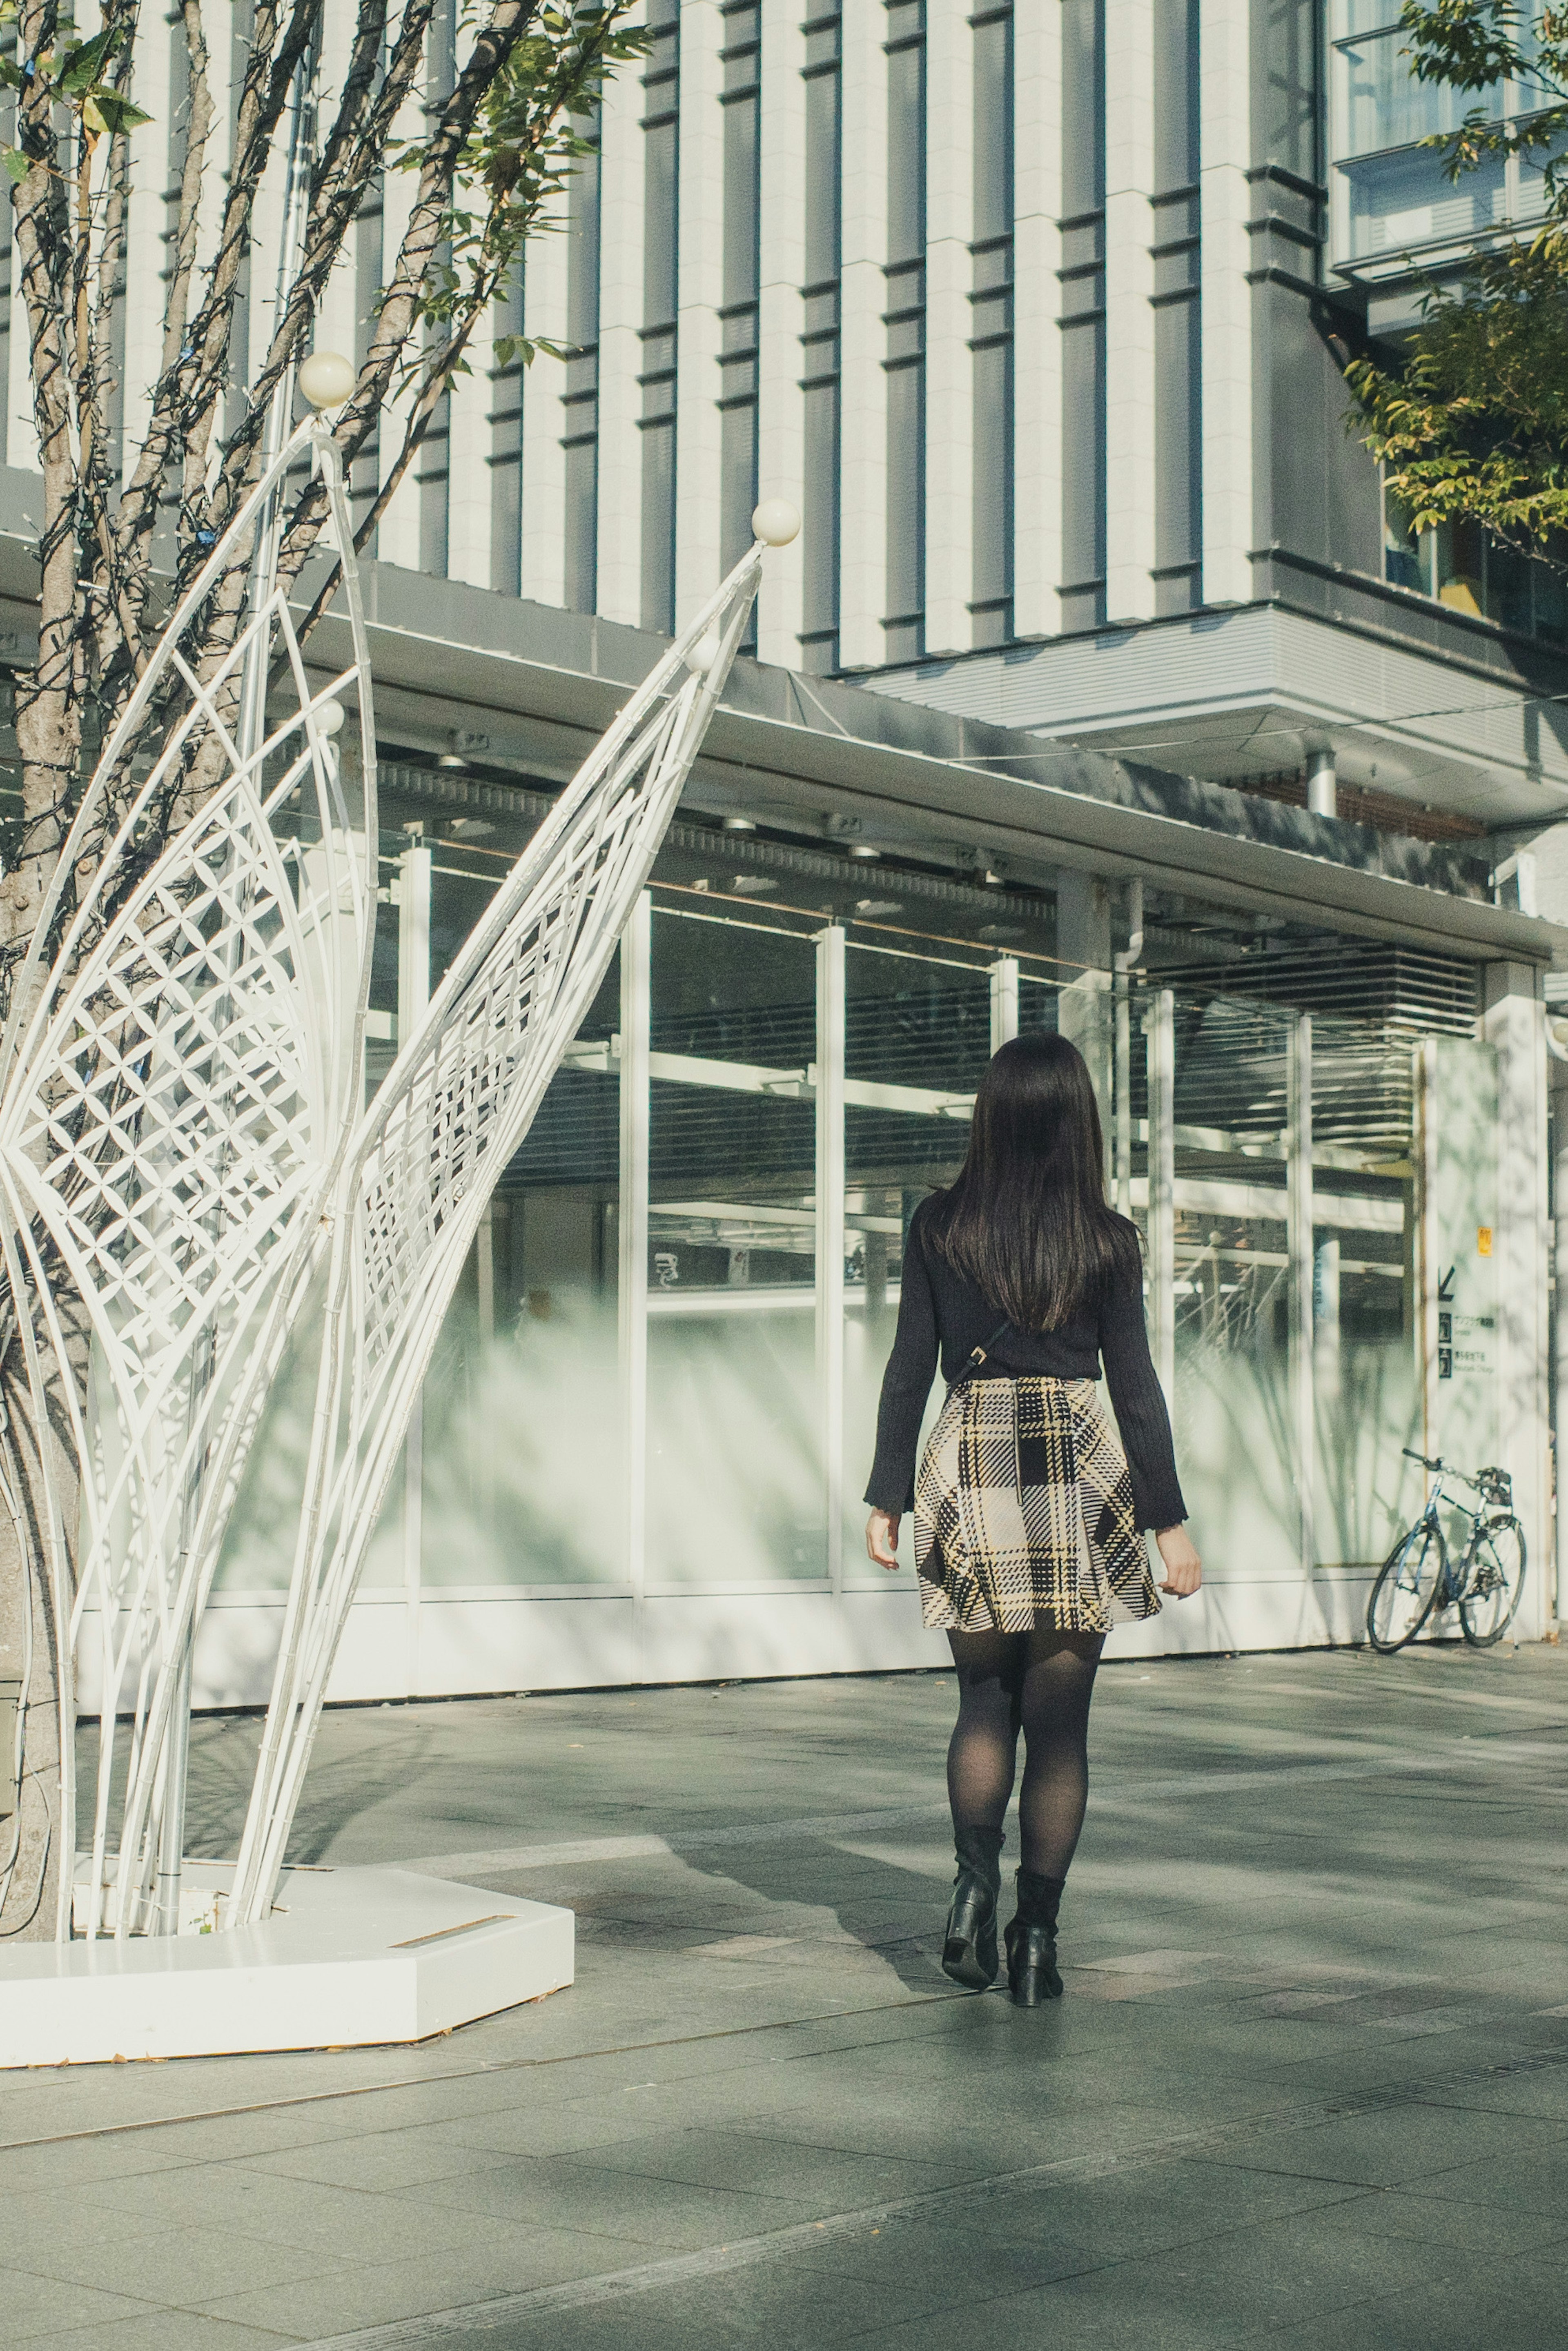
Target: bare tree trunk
[31,1644]
[48,713]
[493,150]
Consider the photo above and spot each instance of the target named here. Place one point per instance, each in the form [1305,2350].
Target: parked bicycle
[1418,1579]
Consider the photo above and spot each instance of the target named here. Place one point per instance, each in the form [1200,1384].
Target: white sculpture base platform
[348,1956]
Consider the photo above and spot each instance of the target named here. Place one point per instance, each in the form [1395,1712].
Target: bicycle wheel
[1494,1583]
[1405,1588]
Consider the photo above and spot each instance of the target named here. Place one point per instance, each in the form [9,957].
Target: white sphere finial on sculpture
[704,654]
[776,522]
[327,378]
[329,718]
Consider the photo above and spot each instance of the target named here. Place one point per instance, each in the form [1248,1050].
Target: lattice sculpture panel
[184,1159]
[177,1093]
[435,1141]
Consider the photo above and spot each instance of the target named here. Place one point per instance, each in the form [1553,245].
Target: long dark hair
[1027,1219]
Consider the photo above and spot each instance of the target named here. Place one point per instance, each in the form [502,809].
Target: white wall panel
[544,417]
[621,191]
[146,255]
[334,324]
[1512,1022]
[700,295]
[1037,337]
[468,477]
[1224,208]
[780,406]
[397,539]
[502,1641]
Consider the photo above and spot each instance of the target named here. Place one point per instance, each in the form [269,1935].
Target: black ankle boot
[969,1950]
[1032,1940]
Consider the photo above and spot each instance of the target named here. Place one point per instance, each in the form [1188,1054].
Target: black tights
[1041,1683]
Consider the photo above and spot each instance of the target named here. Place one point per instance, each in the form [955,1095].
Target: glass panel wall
[1460,565]
[1280,1260]
[734,1488]
[1229,1269]
[1292,1216]
[1392,194]
[1365,1336]
[518,1440]
[522,1443]
[918,1035]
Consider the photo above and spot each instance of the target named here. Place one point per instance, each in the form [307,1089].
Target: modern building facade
[1100,692]
[1049,356]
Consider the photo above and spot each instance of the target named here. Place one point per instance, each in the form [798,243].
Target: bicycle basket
[1496,1487]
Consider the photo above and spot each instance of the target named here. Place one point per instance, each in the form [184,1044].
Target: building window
[1390,196]
[365,472]
[1083,314]
[992,340]
[820,345]
[661,155]
[904,625]
[581,438]
[1179,382]
[1465,567]
[740,58]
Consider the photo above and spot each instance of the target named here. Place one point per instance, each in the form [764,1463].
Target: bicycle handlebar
[1494,1484]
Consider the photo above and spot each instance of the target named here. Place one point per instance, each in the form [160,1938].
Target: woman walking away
[1028,1519]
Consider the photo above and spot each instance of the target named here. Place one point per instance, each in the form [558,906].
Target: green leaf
[85,62]
[15,162]
[118,113]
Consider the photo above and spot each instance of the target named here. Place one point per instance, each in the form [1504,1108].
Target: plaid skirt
[1023,1513]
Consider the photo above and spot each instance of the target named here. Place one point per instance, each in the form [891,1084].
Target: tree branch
[263,95]
[49,724]
[400,307]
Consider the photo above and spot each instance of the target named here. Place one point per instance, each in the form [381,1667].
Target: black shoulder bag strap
[979,1357]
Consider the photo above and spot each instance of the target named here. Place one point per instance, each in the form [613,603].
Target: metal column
[1298,1251]
[632,1291]
[413,869]
[1004,1001]
[1557,1603]
[1159,1032]
[830,1235]
[1124,965]
[1322,784]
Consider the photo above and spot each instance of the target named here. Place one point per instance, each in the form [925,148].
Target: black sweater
[939,1307]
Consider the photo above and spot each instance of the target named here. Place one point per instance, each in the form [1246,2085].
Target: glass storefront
[1293,1319]
[653,1401]
[734,1460]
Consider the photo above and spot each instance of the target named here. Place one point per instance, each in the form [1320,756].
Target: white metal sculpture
[184,1150]
[173,1095]
[435,1141]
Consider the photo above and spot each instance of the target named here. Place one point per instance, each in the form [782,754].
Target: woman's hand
[1184,1569]
[882,1539]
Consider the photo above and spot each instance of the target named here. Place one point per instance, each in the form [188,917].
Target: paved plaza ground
[1307,2087]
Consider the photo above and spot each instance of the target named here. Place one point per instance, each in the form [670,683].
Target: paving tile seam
[586,2056]
[493,2311]
[488,2072]
[1366,1762]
